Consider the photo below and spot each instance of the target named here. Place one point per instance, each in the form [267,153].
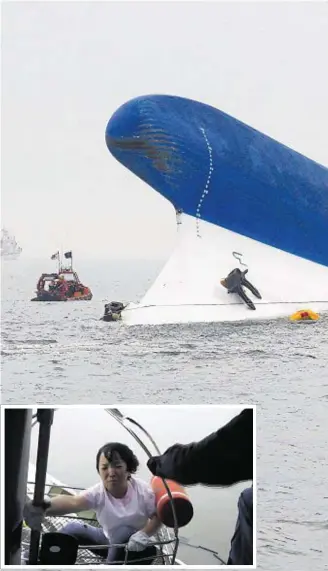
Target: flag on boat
[55,256]
[68,254]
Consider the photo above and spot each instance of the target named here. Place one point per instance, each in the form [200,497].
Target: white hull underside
[188,289]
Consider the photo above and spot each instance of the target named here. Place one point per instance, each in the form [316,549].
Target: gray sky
[66,67]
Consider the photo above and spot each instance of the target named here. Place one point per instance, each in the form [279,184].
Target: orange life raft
[304,315]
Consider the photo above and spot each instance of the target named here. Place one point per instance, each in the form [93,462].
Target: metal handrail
[107,546]
[115,413]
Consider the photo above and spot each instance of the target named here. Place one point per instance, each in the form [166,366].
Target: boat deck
[85,556]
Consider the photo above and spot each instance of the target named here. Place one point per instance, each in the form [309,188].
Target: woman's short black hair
[124,451]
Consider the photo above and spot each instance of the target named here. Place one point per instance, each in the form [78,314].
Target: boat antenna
[116,413]
[60,261]
[45,419]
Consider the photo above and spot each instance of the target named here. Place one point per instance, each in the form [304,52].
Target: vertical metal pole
[45,418]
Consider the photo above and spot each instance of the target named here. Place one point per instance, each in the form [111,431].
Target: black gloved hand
[153,464]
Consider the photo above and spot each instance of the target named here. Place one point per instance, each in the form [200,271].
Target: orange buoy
[182,504]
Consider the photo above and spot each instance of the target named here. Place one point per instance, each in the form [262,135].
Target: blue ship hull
[217,169]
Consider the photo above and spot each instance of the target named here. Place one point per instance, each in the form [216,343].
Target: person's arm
[152,525]
[223,458]
[141,539]
[63,504]
[59,505]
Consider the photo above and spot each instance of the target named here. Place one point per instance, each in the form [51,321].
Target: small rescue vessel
[63,285]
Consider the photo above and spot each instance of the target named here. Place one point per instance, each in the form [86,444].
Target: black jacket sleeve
[221,459]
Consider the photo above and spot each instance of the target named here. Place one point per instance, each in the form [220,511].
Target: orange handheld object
[182,504]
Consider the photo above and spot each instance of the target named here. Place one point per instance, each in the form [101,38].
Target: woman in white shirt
[125,508]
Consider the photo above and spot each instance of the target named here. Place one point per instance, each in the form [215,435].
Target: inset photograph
[129,485]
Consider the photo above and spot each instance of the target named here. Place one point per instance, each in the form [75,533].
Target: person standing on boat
[125,508]
[63,287]
[223,458]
